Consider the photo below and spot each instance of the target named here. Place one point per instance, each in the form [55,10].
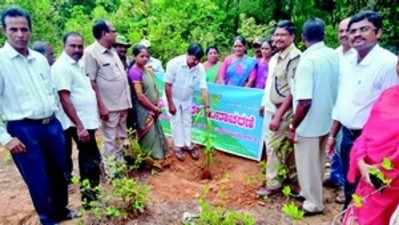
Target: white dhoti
[181,124]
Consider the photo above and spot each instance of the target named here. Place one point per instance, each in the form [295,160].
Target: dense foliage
[171,25]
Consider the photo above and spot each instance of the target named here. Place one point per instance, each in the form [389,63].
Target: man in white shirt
[28,127]
[314,94]
[345,53]
[361,82]
[185,74]
[79,117]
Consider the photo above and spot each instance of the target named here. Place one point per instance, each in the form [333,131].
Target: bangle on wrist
[291,126]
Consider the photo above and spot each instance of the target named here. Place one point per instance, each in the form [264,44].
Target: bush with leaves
[121,198]
[290,210]
[210,215]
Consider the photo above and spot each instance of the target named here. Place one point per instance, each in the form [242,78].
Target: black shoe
[330,184]
[67,215]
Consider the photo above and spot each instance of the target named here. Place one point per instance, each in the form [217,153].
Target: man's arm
[281,110]
[13,144]
[104,113]
[331,140]
[70,111]
[171,105]
[91,67]
[303,86]
[170,77]
[301,111]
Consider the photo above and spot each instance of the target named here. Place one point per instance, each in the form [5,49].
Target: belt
[355,132]
[43,121]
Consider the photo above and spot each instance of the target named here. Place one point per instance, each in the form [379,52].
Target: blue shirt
[316,79]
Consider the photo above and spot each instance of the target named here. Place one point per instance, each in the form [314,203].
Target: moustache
[358,38]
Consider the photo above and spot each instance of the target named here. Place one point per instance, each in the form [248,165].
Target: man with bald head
[45,49]
[345,51]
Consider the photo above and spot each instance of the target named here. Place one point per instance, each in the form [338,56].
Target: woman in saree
[212,63]
[238,69]
[145,99]
[378,142]
[262,68]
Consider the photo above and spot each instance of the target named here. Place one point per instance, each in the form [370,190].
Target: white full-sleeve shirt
[360,85]
[184,80]
[26,88]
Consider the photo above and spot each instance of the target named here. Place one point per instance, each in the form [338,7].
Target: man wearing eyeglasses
[276,107]
[109,80]
[362,80]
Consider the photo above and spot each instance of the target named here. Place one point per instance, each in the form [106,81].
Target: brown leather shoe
[179,154]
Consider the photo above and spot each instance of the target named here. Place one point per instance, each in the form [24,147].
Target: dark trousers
[43,165]
[348,138]
[337,176]
[89,162]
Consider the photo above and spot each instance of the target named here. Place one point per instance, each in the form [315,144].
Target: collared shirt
[278,65]
[184,80]
[345,57]
[26,89]
[360,85]
[104,66]
[69,75]
[156,65]
[316,79]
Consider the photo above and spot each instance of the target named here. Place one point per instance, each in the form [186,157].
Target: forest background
[171,25]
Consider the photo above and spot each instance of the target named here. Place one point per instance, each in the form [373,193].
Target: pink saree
[379,140]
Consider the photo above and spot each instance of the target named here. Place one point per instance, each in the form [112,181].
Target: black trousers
[348,138]
[42,166]
[89,159]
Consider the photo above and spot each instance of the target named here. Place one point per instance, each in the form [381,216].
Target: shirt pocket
[363,92]
[109,71]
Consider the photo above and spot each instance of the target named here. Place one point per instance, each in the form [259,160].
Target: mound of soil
[234,181]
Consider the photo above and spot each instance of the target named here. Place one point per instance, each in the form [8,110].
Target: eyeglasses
[362,30]
[281,35]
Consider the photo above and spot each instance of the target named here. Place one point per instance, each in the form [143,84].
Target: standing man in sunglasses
[362,80]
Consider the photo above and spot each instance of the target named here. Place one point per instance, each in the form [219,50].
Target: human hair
[138,48]
[196,50]
[67,35]
[240,39]
[211,47]
[269,41]
[41,46]
[99,27]
[373,17]
[15,11]
[313,30]
[287,25]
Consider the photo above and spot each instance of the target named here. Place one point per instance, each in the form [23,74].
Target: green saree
[149,130]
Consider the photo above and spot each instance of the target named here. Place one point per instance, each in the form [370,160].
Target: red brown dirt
[174,190]
[234,181]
